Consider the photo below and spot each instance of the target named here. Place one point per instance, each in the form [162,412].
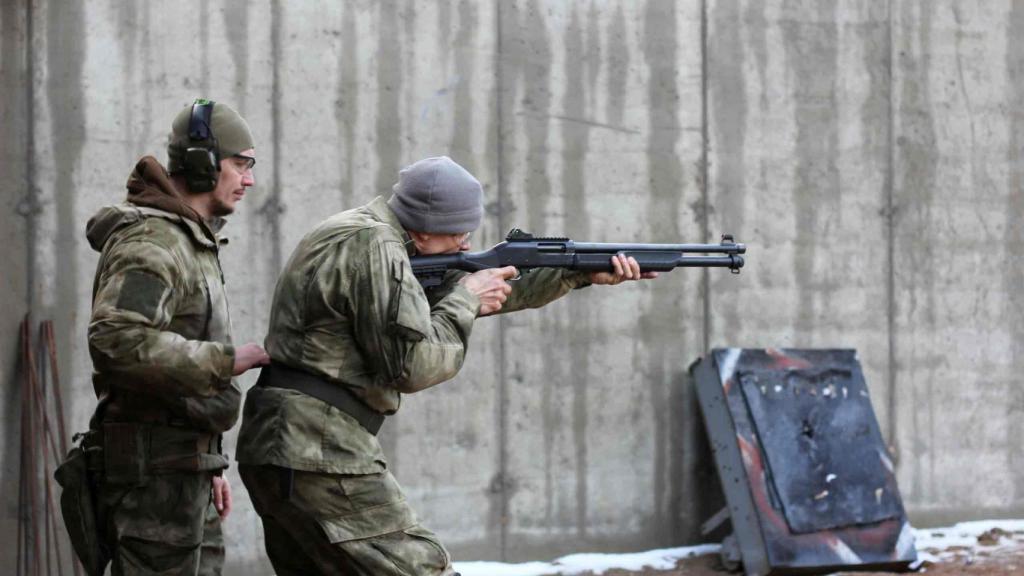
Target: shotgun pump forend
[524,251]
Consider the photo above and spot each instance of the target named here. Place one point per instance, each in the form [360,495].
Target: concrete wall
[868,152]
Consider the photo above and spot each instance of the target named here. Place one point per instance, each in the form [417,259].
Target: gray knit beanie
[437,196]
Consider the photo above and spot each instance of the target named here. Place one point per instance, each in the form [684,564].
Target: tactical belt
[277,375]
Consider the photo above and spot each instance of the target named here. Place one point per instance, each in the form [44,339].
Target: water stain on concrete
[592,57]
[236,28]
[661,327]
[134,43]
[443,37]
[390,70]
[875,38]
[916,159]
[15,110]
[65,59]
[410,97]
[501,210]
[534,55]
[465,63]
[143,126]
[1013,265]
[17,223]
[347,104]
[525,100]
[494,147]
[272,209]
[204,48]
[727,95]
[811,39]
[617,65]
[755,28]
[528,53]
[127,22]
[551,421]
[575,147]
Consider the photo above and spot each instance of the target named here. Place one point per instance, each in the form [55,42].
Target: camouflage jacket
[160,334]
[348,308]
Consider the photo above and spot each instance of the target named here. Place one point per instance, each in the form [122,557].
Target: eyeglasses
[249,161]
[462,238]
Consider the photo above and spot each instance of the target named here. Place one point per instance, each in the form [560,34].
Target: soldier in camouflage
[351,330]
[160,341]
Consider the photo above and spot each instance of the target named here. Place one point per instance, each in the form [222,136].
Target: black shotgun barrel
[524,251]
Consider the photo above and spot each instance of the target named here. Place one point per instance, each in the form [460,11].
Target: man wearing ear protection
[163,358]
[351,331]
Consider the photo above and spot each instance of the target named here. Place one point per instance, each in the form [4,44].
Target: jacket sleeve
[411,344]
[135,298]
[536,288]
[542,286]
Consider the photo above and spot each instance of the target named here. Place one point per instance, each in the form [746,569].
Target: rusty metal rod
[51,344]
[48,344]
[29,464]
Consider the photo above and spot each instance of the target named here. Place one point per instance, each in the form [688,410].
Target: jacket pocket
[410,311]
[365,506]
[170,509]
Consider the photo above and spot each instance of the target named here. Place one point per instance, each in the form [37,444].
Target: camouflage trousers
[356,525]
[166,526]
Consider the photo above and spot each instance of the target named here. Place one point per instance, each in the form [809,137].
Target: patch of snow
[663,559]
[933,544]
[500,569]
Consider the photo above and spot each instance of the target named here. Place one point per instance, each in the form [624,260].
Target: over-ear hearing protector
[201,161]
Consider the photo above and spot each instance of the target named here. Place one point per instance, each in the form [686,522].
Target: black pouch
[78,504]
[125,453]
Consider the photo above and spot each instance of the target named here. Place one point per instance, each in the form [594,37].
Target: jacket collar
[380,209]
[202,234]
[207,237]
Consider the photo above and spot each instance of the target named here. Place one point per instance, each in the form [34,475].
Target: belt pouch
[125,453]
[78,503]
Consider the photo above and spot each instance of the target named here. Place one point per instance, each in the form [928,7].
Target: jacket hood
[149,186]
[105,222]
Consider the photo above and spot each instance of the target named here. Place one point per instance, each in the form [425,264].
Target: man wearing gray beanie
[438,196]
[163,358]
[351,331]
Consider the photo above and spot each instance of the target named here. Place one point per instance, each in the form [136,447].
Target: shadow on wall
[10,436]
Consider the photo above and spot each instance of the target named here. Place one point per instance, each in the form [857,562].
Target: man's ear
[420,236]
